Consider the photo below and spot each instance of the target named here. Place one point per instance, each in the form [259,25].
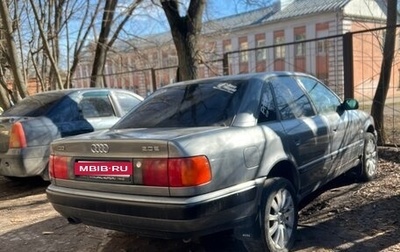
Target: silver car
[225,153]
[28,128]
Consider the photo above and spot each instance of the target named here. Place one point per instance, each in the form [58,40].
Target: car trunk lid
[136,158]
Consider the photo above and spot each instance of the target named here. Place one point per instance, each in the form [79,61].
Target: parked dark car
[203,156]
[27,128]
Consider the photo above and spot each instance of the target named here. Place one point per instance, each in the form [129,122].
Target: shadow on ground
[18,187]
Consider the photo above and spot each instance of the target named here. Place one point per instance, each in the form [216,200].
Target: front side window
[324,100]
[126,101]
[96,104]
[290,98]
[193,105]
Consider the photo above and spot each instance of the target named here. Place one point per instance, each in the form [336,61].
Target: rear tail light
[174,172]
[154,172]
[58,167]
[17,136]
[189,171]
[169,172]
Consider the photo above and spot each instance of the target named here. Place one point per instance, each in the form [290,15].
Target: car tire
[369,163]
[278,217]
[45,173]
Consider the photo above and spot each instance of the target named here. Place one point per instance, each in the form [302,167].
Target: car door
[306,134]
[96,108]
[343,125]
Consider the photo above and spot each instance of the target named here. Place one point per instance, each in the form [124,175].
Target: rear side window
[203,104]
[96,105]
[267,106]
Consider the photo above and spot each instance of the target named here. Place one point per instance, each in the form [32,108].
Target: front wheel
[279,217]
[369,162]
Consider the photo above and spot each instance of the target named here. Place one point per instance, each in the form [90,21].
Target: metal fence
[349,64]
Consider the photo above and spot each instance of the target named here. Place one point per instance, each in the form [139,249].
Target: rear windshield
[207,104]
[36,105]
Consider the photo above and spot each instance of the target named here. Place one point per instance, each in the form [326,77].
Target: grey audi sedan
[226,153]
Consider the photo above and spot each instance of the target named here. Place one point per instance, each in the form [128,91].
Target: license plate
[107,171]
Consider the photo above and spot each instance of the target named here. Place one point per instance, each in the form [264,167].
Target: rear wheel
[369,162]
[45,173]
[278,212]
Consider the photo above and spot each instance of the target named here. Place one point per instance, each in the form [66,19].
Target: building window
[227,45]
[279,50]
[164,59]
[243,46]
[227,48]
[322,47]
[300,35]
[154,58]
[211,51]
[261,54]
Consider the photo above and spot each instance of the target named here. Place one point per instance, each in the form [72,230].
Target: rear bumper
[26,162]
[158,216]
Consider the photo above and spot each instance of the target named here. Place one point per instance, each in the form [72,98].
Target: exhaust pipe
[73,220]
[187,240]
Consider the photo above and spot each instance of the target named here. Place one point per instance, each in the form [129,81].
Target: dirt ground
[344,216]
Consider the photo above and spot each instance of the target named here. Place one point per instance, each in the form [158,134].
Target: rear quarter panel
[235,154]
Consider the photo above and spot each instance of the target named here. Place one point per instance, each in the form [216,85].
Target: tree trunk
[186,45]
[101,48]
[12,56]
[378,105]
[185,32]
[57,8]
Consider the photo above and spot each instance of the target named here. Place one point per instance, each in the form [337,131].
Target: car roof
[73,90]
[246,76]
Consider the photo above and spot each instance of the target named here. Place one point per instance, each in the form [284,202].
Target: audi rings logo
[99,148]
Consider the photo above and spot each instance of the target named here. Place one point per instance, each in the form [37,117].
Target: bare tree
[185,30]
[51,52]
[11,53]
[81,38]
[104,42]
[378,105]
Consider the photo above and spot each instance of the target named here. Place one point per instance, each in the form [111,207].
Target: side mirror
[350,104]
